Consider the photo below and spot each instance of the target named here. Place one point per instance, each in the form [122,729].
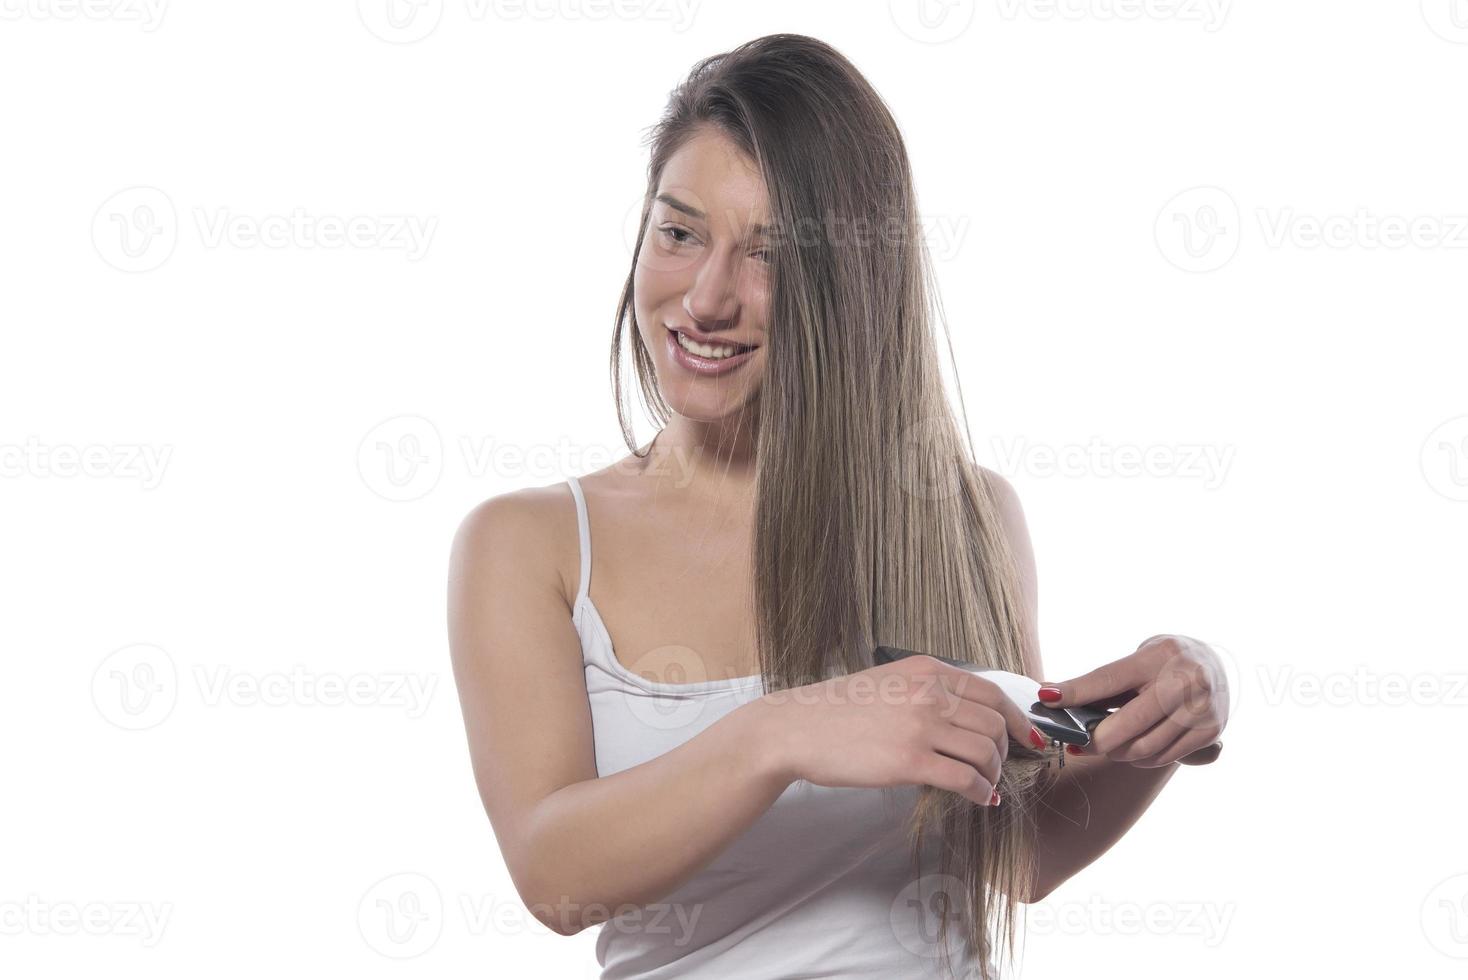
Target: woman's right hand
[916,720]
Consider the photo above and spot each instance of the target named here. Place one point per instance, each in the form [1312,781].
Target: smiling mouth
[714,352]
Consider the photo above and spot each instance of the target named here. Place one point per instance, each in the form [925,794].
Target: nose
[714,295]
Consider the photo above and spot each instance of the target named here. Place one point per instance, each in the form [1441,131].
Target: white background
[318,419]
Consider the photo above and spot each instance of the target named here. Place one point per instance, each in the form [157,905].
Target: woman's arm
[1087,806]
[578,847]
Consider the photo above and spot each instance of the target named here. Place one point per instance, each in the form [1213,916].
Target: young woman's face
[704,272]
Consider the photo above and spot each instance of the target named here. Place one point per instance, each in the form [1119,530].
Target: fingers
[1117,730]
[975,689]
[1115,701]
[957,777]
[979,751]
[1201,757]
[1169,741]
[975,717]
[1152,744]
[1191,743]
[1188,691]
[1108,680]
[1182,695]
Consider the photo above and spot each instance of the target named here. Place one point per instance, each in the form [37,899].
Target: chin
[704,406]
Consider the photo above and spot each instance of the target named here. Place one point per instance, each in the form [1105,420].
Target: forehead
[709,173]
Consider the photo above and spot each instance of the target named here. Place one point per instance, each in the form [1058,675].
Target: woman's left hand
[1176,703]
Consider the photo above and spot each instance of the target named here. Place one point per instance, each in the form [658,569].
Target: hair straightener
[1063,726]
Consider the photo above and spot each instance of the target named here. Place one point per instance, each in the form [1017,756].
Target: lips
[713,340]
[699,365]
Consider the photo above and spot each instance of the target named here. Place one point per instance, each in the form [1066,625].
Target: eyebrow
[694,212]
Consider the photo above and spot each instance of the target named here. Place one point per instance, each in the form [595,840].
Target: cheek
[641,295]
[756,291]
[655,296]
[650,288]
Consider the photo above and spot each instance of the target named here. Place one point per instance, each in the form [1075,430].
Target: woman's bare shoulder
[535,528]
[532,529]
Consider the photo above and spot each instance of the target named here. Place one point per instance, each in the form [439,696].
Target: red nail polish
[1036,739]
[994,798]
[1074,750]
[1050,694]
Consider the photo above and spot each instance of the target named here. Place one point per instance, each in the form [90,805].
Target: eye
[763,254]
[671,233]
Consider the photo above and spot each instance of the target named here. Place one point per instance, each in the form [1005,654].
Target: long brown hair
[872,524]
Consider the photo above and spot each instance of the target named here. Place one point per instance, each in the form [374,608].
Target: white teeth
[715,352]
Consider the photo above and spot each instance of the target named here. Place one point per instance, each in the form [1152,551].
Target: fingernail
[1049,694]
[1036,739]
[994,798]
[1074,750]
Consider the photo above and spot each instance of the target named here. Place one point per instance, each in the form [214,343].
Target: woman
[721,776]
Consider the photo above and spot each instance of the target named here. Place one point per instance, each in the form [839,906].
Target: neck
[707,457]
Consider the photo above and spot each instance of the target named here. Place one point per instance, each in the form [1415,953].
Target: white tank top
[821,885]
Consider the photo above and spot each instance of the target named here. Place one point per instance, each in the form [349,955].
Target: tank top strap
[583,526]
